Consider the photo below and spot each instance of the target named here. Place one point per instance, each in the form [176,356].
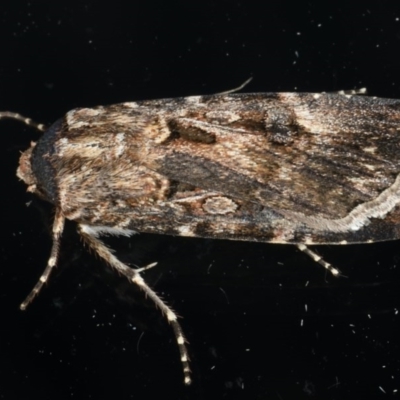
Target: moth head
[35,165]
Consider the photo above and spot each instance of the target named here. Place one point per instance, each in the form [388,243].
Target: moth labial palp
[289,168]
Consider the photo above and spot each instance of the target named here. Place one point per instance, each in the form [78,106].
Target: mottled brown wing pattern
[297,168]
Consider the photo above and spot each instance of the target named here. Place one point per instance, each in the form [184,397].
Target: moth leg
[318,259]
[25,120]
[58,227]
[89,236]
[138,270]
[351,92]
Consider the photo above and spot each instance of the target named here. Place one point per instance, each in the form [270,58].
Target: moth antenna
[318,259]
[133,276]
[58,227]
[245,83]
[25,120]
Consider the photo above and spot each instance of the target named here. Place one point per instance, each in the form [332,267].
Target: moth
[292,168]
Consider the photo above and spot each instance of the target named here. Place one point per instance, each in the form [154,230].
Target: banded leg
[318,259]
[350,92]
[58,227]
[90,237]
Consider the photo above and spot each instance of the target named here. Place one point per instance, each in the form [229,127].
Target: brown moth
[293,168]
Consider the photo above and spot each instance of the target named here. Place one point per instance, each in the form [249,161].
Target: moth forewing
[295,168]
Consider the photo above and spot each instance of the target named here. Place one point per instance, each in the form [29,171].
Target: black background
[263,321]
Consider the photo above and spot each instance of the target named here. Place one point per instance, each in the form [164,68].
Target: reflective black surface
[263,321]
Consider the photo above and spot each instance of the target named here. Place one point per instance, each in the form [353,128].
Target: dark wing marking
[337,151]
